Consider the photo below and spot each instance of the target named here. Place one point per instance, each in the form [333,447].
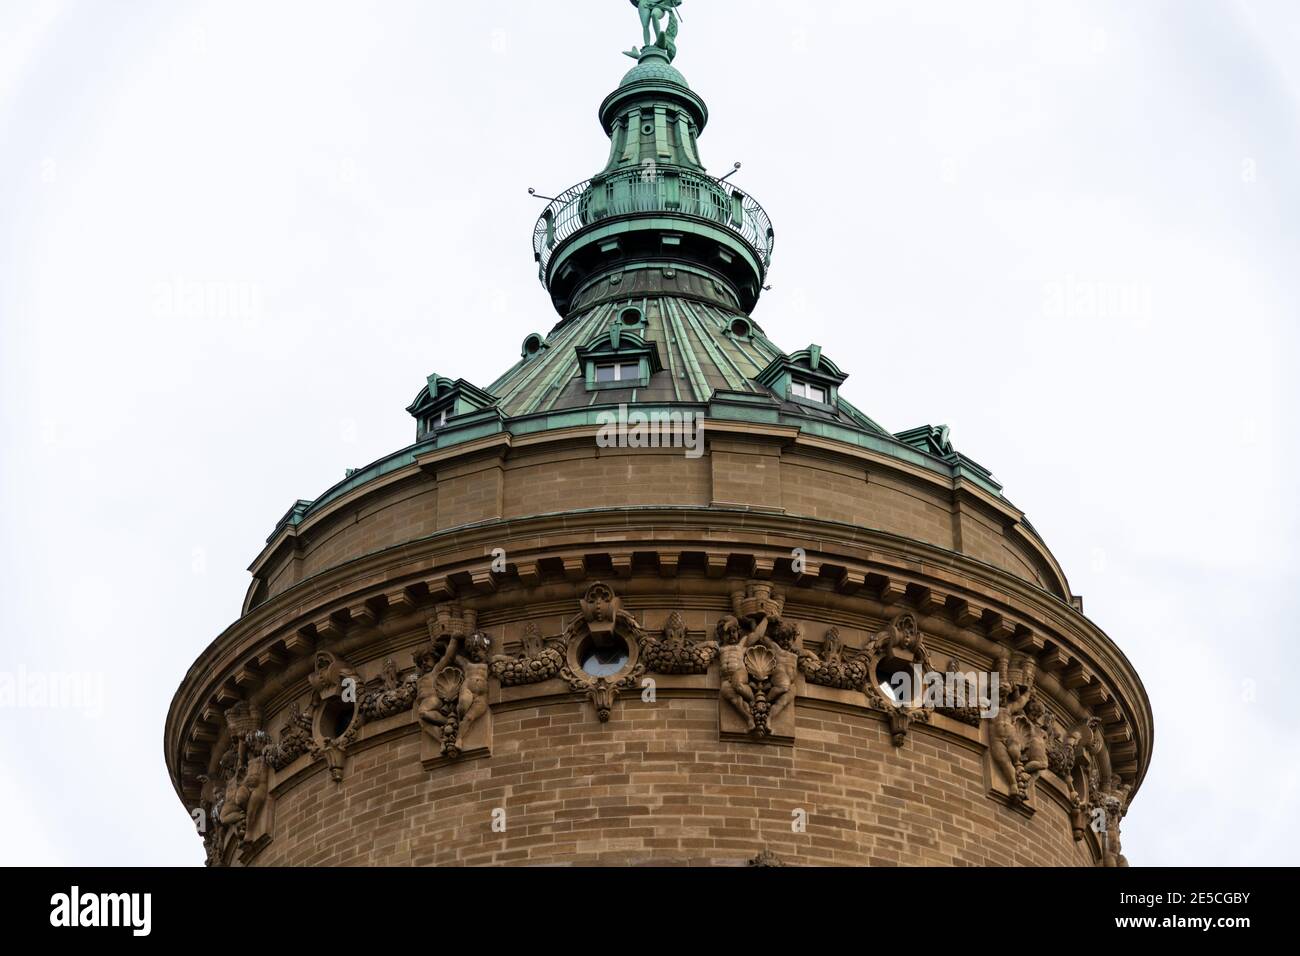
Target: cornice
[954,594]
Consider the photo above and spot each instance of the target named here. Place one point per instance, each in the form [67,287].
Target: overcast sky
[236,236]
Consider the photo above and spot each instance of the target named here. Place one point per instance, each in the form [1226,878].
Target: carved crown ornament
[604,652]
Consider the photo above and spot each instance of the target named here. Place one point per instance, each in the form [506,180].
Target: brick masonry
[655,785]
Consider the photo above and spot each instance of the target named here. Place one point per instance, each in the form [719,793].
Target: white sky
[1067,230]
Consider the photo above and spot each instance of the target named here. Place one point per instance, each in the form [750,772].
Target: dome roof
[655,69]
[703,348]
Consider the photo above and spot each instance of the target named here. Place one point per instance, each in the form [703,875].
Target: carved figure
[785,641]
[449,699]
[473,701]
[735,675]
[247,784]
[1113,802]
[430,706]
[330,677]
[1017,740]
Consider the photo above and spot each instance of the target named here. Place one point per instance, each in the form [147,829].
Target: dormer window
[808,390]
[805,377]
[443,399]
[436,420]
[618,372]
[619,358]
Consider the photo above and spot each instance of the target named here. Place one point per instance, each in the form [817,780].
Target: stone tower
[659,594]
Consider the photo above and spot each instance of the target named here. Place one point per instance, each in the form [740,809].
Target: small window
[622,372]
[435,421]
[809,391]
[603,659]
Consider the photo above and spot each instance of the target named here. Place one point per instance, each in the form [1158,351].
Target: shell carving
[448,683]
[759,661]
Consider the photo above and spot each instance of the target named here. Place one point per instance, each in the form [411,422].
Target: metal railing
[650,189]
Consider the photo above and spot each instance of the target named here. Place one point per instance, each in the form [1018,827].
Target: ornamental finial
[665,35]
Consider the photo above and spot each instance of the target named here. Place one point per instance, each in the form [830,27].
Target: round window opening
[603,658]
[740,327]
[336,717]
[895,678]
[631,316]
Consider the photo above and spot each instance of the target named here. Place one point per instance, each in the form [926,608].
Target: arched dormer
[806,377]
[619,358]
[442,399]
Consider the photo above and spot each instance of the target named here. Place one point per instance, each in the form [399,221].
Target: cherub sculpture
[785,641]
[736,691]
[452,691]
[1017,738]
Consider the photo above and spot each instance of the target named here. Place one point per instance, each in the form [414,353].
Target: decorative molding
[673,652]
[603,622]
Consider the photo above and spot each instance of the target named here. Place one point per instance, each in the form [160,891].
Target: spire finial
[653,13]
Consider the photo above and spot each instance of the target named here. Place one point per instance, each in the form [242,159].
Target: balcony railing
[652,189]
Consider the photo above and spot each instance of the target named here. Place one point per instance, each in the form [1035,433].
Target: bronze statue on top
[652,16]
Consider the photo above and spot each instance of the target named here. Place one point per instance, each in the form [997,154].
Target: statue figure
[1017,739]
[735,675]
[787,647]
[1114,804]
[450,698]
[652,15]
[248,785]
[473,702]
[428,702]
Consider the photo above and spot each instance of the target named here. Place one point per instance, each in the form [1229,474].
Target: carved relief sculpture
[295,739]
[392,696]
[900,648]
[604,621]
[1113,803]
[964,704]
[758,658]
[1017,737]
[735,689]
[831,668]
[235,798]
[539,660]
[336,717]
[675,653]
[452,691]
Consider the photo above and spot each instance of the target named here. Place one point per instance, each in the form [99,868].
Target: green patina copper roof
[654,69]
[654,263]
